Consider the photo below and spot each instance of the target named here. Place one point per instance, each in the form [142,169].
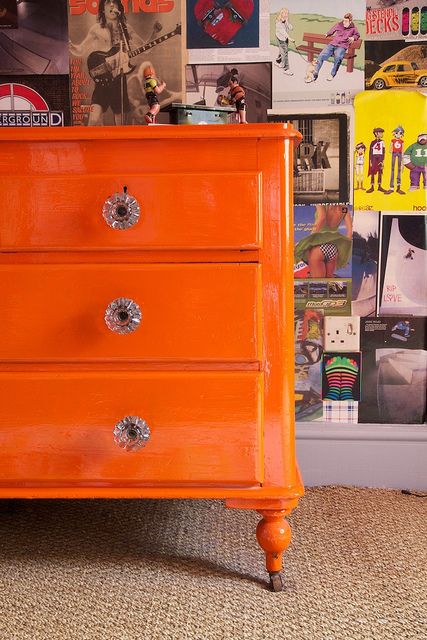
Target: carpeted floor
[136,570]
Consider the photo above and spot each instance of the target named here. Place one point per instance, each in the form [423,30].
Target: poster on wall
[396,64]
[208,84]
[9,14]
[391,20]
[391,134]
[403,264]
[364,262]
[394,370]
[321,161]
[34,101]
[115,49]
[38,42]
[341,376]
[214,24]
[332,296]
[309,332]
[209,50]
[322,241]
[317,51]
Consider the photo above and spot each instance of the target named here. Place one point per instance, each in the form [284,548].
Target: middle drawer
[208,312]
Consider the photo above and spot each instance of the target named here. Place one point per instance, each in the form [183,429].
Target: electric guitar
[99,63]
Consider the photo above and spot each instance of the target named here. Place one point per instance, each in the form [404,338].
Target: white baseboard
[362,455]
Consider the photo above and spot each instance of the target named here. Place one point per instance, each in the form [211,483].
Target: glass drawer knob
[121,210]
[131,433]
[123,316]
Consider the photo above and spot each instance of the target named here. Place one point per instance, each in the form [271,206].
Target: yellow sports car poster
[390,154]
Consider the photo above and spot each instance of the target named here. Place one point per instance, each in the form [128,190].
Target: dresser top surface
[158,132]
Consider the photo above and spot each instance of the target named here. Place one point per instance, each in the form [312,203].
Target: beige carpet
[130,570]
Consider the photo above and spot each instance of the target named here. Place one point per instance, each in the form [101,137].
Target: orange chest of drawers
[153,360]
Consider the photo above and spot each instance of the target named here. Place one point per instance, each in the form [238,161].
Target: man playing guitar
[110,29]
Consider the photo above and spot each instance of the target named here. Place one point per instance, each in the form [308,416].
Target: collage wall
[352,77]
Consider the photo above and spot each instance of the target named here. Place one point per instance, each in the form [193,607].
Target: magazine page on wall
[318,230]
[317,51]
[309,345]
[321,161]
[403,264]
[394,370]
[332,296]
[118,53]
[396,64]
[391,126]
[9,14]
[227,31]
[365,262]
[33,37]
[391,20]
[34,101]
[208,84]
[341,376]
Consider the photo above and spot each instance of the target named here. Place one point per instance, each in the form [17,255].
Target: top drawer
[216,210]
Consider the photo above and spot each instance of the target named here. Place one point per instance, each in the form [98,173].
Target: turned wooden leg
[274,535]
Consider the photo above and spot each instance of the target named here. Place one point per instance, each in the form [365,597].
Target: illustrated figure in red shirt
[396,150]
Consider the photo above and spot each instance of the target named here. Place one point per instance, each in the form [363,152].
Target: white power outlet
[342,333]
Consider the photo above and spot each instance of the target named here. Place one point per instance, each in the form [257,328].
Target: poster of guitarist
[107,52]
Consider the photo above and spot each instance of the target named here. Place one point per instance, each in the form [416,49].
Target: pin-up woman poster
[326,249]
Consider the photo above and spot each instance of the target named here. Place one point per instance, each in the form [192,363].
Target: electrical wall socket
[342,333]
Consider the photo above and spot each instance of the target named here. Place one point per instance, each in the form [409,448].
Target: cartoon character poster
[391,125]
[317,51]
[115,49]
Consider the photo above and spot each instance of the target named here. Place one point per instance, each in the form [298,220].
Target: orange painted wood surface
[162,135]
[160,256]
[57,429]
[189,312]
[192,209]
[265,495]
[126,150]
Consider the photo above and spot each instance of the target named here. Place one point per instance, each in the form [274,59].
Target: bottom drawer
[56,429]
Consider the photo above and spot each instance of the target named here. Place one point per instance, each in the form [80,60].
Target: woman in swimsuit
[326,249]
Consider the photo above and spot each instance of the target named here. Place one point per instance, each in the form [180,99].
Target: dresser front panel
[209,262]
[57,428]
[190,312]
[179,210]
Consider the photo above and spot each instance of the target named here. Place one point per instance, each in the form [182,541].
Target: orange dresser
[147,317]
